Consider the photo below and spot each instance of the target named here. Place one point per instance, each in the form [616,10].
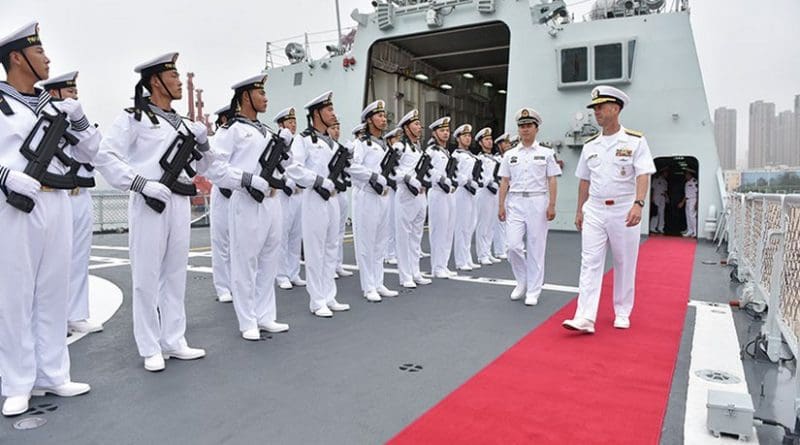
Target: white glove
[382,180]
[72,107]
[156,190]
[21,183]
[414,182]
[286,135]
[473,184]
[328,185]
[199,131]
[289,183]
[259,184]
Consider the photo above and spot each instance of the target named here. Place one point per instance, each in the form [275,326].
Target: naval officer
[689,204]
[527,202]
[441,200]
[220,232]
[614,171]
[466,218]
[499,243]
[486,199]
[660,198]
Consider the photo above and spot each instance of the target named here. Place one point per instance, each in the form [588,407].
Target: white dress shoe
[67,389]
[422,280]
[622,322]
[502,256]
[274,327]
[225,298]
[251,334]
[373,296]
[486,262]
[185,353]
[579,324]
[452,273]
[299,282]
[391,261]
[16,405]
[383,291]
[335,306]
[409,285]
[343,273]
[475,266]
[518,292]
[531,300]
[323,312]
[154,363]
[441,274]
[466,268]
[494,260]
[84,326]
[284,283]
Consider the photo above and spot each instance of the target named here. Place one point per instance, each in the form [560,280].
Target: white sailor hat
[464,129]
[527,115]
[503,137]
[68,80]
[376,107]
[484,132]
[442,122]
[224,110]
[409,117]
[164,62]
[514,139]
[20,39]
[604,93]
[321,101]
[251,83]
[393,134]
[285,115]
[358,129]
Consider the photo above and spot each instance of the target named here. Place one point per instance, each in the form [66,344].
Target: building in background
[725,137]
[761,146]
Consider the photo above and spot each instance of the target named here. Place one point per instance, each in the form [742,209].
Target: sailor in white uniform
[36,231]
[334,131]
[129,159]
[466,217]
[441,200]
[291,241]
[689,204]
[486,199]
[660,199]
[312,150]
[614,171]
[527,202]
[499,243]
[220,232]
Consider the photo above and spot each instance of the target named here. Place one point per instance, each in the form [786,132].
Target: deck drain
[410,367]
[712,375]
[710,262]
[200,277]
[406,291]
[29,423]
[44,408]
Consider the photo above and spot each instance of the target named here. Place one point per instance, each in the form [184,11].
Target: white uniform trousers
[256,230]
[691,217]
[321,244]
[499,243]
[343,209]
[526,227]
[409,221]
[465,226]
[159,252]
[661,206]
[82,225]
[291,240]
[371,225]
[487,203]
[34,273]
[220,242]
[441,221]
[604,225]
[391,243]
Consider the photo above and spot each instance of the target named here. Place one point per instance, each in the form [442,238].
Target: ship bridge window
[574,65]
[608,61]
[596,63]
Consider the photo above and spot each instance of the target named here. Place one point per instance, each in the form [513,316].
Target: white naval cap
[68,80]
[376,107]
[285,115]
[323,100]
[251,83]
[514,139]
[409,117]
[358,129]
[20,39]
[164,62]
[393,134]
[483,133]
[605,93]
[442,122]
[528,115]
[464,129]
[223,110]
[503,137]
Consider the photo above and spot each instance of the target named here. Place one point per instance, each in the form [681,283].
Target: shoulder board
[635,133]
[228,124]
[307,132]
[546,144]
[5,107]
[592,138]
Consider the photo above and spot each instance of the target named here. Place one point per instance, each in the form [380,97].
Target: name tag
[538,158]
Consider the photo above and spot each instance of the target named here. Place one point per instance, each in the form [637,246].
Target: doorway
[674,171]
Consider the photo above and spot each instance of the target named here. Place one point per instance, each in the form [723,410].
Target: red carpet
[557,387]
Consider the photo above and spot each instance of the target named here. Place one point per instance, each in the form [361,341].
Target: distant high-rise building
[761,147]
[797,129]
[725,136]
[786,139]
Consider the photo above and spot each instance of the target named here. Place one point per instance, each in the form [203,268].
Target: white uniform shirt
[242,144]
[439,158]
[528,168]
[660,188]
[310,159]
[489,161]
[409,156]
[690,189]
[612,163]
[367,157]
[466,162]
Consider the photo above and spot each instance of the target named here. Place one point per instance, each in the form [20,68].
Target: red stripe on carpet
[558,387]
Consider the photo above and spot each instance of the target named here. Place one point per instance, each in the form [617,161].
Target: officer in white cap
[499,243]
[220,230]
[689,203]
[334,131]
[660,199]
[392,136]
[441,200]
[486,199]
[409,207]
[390,256]
[224,114]
[371,202]
[129,159]
[312,150]
[63,87]
[527,202]
[291,242]
[35,272]
[614,171]
[466,218]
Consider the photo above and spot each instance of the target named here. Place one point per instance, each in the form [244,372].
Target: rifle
[53,129]
[422,169]
[176,159]
[270,160]
[80,181]
[336,173]
[449,173]
[389,163]
[477,174]
[496,177]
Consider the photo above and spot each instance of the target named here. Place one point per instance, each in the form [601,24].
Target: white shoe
[466,268]
[531,300]
[475,266]
[84,327]
[335,306]
[383,291]
[284,283]
[225,298]
[486,262]
[409,285]
[392,261]
[16,405]
[67,389]
[373,296]
[422,280]
[579,324]
[494,260]
[518,292]
[251,334]
[343,273]
[185,353]
[441,274]
[452,273]
[323,312]
[299,282]
[622,322]
[688,235]
[424,254]
[274,327]
[502,256]
[154,363]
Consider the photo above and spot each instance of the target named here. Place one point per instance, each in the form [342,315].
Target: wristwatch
[640,202]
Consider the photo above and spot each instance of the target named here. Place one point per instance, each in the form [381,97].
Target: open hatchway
[675,171]
[458,72]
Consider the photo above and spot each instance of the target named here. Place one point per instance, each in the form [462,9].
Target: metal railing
[111,210]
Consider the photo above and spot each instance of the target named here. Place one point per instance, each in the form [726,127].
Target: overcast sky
[748,50]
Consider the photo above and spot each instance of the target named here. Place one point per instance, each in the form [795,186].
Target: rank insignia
[625,151]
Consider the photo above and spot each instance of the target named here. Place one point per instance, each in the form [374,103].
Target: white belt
[527,194]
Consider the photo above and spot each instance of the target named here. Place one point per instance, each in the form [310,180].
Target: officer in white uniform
[660,199]
[291,241]
[689,204]
[334,131]
[614,171]
[220,232]
[527,202]
[441,200]
[159,242]
[312,150]
[63,87]
[35,272]
[466,217]
[499,244]
[486,199]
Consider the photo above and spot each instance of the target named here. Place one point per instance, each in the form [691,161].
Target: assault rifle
[389,165]
[496,178]
[449,173]
[477,174]
[176,159]
[336,173]
[270,160]
[422,169]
